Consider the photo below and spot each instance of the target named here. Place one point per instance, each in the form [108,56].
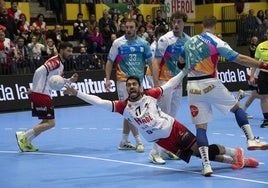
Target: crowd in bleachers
[249,25]
[25,46]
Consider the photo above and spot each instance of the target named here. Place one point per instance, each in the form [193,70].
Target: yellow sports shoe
[23,144]
[167,155]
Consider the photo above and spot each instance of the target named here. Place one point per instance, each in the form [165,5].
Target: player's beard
[133,97]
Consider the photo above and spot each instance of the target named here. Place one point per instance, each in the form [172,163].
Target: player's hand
[74,77]
[70,90]
[28,92]
[107,85]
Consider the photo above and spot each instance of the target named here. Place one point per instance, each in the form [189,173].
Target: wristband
[263,65]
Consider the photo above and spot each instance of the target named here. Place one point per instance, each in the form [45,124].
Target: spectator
[9,23]
[35,49]
[140,20]
[159,20]
[122,30]
[252,25]
[80,29]
[6,49]
[23,24]
[21,64]
[97,41]
[84,60]
[51,49]
[13,11]
[261,29]
[106,20]
[92,23]
[57,35]
[135,11]
[149,26]
[125,17]
[40,25]
[143,34]
[260,17]
[106,35]
[115,19]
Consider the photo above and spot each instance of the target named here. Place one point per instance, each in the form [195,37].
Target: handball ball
[56,82]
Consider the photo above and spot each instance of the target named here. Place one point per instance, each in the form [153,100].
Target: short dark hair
[209,21]
[179,15]
[134,78]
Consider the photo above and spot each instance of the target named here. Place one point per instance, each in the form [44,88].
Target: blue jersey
[130,57]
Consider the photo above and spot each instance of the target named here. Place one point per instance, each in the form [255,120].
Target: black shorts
[263,83]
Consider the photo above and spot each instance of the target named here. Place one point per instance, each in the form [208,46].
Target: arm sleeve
[95,100]
[174,82]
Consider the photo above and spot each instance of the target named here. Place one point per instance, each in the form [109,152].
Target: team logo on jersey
[194,110]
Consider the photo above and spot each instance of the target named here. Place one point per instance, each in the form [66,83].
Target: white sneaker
[140,148]
[156,159]
[256,144]
[207,170]
[126,146]
[167,155]
[241,94]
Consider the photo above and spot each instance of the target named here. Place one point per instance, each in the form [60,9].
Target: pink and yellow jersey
[169,48]
[202,53]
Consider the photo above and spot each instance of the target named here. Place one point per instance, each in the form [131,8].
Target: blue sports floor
[81,151]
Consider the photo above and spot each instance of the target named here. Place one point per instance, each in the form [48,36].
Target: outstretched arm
[174,82]
[91,99]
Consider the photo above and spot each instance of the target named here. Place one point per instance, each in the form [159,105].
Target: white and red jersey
[52,66]
[145,114]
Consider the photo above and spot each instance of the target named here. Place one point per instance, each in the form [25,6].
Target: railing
[77,63]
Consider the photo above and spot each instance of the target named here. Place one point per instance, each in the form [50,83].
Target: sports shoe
[140,148]
[251,162]
[264,124]
[168,155]
[241,94]
[126,146]
[256,144]
[207,170]
[238,159]
[156,158]
[22,143]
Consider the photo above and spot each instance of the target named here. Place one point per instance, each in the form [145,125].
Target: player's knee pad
[213,151]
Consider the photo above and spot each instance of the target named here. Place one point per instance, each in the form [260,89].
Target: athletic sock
[30,135]
[138,139]
[124,138]
[230,151]
[247,131]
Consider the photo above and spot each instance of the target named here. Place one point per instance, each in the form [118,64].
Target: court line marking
[132,163]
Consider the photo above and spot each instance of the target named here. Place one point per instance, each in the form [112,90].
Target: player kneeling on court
[142,111]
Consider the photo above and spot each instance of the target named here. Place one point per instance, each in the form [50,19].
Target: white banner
[187,6]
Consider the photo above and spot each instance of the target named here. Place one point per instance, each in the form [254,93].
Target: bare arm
[108,71]
[91,99]
[247,61]
[155,71]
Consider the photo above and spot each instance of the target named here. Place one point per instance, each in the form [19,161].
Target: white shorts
[170,102]
[202,94]
[121,90]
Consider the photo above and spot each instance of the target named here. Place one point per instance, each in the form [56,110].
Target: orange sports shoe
[238,159]
[251,162]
